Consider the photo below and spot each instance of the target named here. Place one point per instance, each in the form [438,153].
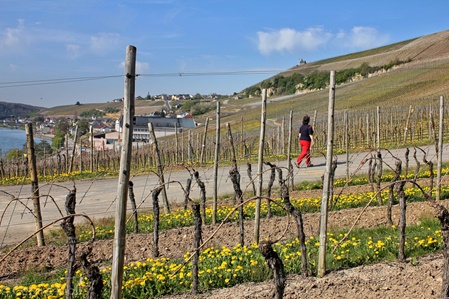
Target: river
[13,138]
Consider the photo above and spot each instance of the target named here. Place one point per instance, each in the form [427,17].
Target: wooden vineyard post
[378,127]
[34,184]
[327,179]
[91,131]
[182,146]
[189,147]
[367,131]
[242,139]
[160,169]
[123,180]
[203,146]
[72,158]
[410,110]
[402,219]
[289,152]
[217,152]
[66,153]
[260,165]
[177,144]
[440,149]
[347,145]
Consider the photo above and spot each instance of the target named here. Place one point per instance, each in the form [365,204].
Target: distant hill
[8,110]
[425,71]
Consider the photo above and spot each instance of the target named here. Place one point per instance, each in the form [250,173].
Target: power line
[179,74]
[80,79]
[52,81]
[231,73]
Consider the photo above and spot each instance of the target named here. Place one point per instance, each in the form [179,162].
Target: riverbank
[48,137]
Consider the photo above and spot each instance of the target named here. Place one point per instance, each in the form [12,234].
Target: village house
[163,126]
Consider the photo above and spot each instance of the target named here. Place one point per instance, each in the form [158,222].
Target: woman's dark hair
[306,120]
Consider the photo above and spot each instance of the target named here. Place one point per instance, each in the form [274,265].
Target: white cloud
[23,38]
[362,38]
[104,42]
[73,51]
[141,67]
[290,40]
[14,38]
[312,39]
[12,67]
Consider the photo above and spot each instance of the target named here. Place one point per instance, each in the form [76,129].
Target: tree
[58,141]
[83,127]
[14,154]
[43,148]
[38,118]
[62,126]
[92,113]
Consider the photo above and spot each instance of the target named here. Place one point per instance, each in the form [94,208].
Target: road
[96,198]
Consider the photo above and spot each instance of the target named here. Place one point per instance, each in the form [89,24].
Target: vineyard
[355,132]
[194,231]
[365,222]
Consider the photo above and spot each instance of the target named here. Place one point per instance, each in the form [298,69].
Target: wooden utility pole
[440,148]
[263,120]
[34,184]
[217,152]
[327,179]
[160,169]
[123,180]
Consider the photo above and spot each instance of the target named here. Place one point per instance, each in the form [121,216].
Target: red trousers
[305,152]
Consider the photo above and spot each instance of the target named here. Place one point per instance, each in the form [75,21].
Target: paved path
[97,198]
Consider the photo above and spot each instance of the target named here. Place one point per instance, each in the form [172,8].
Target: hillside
[141,108]
[418,82]
[422,79]
[426,50]
[424,75]
[8,110]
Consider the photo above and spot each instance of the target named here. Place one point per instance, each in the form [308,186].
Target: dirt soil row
[382,280]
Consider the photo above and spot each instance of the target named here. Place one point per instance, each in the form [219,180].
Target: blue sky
[44,39]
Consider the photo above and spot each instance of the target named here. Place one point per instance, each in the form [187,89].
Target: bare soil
[420,279]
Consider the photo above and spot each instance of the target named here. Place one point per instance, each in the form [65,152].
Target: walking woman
[306,141]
